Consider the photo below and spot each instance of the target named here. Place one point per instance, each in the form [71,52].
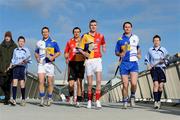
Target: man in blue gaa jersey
[46,52]
[127,48]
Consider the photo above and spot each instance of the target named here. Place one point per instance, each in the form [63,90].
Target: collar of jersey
[19,48]
[92,35]
[158,48]
[127,36]
[47,39]
[74,39]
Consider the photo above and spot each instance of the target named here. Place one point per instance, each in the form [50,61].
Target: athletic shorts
[126,68]
[47,68]
[76,70]
[158,74]
[19,72]
[93,65]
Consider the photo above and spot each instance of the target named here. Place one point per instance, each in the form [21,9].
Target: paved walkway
[62,111]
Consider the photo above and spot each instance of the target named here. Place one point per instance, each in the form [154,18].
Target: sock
[79,98]
[75,90]
[49,96]
[41,94]
[98,94]
[132,94]
[156,96]
[89,95]
[70,93]
[159,95]
[125,99]
[14,91]
[23,93]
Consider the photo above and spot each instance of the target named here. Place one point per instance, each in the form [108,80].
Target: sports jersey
[71,48]
[130,45]
[45,47]
[21,54]
[92,44]
[154,55]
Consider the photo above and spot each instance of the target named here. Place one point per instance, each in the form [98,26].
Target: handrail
[110,87]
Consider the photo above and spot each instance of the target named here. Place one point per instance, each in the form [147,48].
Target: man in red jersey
[90,46]
[75,62]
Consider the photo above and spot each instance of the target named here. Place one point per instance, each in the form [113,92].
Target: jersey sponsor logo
[49,45]
[72,45]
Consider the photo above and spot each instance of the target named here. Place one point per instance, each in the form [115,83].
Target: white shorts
[93,65]
[46,68]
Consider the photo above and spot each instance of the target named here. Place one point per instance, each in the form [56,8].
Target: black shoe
[6,102]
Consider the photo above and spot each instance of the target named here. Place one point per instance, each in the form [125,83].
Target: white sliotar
[91,46]
[42,50]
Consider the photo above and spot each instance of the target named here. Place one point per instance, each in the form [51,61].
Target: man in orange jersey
[75,62]
[90,46]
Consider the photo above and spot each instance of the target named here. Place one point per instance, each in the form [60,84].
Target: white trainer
[49,102]
[159,105]
[23,103]
[156,105]
[89,104]
[71,100]
[13,102]
[98,104]
[42,102]
[78,104]
[132,102]
[125,105]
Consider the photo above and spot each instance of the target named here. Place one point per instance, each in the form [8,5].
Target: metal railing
[112,91]
[32,91]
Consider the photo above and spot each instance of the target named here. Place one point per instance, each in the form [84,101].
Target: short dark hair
[92,21]
[127,23]
[44,28]
[21,37]
[75,28]
[157,36]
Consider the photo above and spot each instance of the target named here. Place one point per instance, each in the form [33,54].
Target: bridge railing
[32,91]
[112,92]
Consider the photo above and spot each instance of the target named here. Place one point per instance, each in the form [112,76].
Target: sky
[149,17]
